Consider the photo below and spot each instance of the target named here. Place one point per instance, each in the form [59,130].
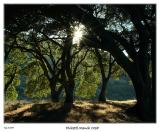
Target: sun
[78,34]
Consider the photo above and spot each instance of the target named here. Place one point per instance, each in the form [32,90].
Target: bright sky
[78,33]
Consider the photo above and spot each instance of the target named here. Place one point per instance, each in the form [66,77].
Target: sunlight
[125,52]
[78,34]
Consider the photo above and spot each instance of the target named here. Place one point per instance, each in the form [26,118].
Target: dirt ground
[79,112]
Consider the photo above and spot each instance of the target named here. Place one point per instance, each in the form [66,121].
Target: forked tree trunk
[102,95]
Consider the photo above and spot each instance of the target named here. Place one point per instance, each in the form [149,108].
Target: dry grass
[18,110]
[79,112]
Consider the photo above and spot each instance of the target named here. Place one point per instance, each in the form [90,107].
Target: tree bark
[66,74]
[53,87]
[55,94]
[69,90]
[143,107]
[102,95]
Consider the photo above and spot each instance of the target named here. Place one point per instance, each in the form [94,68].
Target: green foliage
[37,85]
[11,70]
[11,93]
[88,84]
[17,57]
[37,88]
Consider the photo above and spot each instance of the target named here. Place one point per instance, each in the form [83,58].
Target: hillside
[80,112]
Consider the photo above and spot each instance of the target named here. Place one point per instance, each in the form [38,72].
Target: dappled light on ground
[78,112]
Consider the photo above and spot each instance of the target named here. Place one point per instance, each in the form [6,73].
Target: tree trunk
[102,95]
[143,108]
[69,90]
[55,94]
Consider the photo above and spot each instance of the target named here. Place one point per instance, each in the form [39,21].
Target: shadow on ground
[79,112]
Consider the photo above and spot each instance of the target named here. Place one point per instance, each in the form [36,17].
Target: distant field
[80,112]
[120,90]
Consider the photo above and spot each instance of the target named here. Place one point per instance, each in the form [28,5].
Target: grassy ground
[79,112]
